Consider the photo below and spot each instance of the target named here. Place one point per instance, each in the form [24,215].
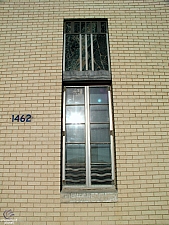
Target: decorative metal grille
[86,50]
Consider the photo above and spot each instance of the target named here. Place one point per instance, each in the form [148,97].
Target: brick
[31,82]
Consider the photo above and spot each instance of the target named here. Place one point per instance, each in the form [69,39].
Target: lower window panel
[75,174]
[101,174]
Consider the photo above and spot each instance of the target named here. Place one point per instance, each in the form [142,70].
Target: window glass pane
[72,52]
[75,153]
[74,96]
[99,95]
[68,27]
[75,114]
[88,27]
[94,27]
[100,132]
[77,27]
[75,133]
[83,30]
[103,27]
[100,153]
[100,52]
[99,113]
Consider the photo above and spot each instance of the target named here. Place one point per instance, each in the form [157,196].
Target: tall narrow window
[88,145]
[88,155]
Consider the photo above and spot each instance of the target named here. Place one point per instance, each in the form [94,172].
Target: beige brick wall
[31,40]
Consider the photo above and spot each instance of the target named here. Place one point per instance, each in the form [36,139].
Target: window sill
[70,195]
[86,75]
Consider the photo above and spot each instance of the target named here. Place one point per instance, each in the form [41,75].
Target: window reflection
[99,95]
[75,114]
[75,96]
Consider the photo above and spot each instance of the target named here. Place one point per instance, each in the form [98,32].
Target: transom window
[86,50]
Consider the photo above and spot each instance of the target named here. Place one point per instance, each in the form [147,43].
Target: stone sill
[86,75]
[70,195]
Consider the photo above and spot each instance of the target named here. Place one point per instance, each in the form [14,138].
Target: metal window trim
[110,110]
[80,40]
[88,172]
[108,53]
[63,137]
[111,135]
[112,158]
[92,53]
[86,52]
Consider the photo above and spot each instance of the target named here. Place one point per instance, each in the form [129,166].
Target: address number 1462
[22,118]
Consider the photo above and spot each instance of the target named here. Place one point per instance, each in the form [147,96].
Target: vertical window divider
[86,52]
[88,179]
[92,55]
[80,40]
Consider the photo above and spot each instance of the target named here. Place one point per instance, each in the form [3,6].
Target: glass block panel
[75,153]
[101,174]
[75,174]
[100,153]
[99,113]
[99,95]
[75,114]
[100,133]
[75,96]
[77,27]
[100,52]
[103,27]
[75,133]
[72,52]
[68,27]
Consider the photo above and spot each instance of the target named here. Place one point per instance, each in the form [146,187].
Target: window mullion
[92,54]
[88,178]
[80,40]
[86,52]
